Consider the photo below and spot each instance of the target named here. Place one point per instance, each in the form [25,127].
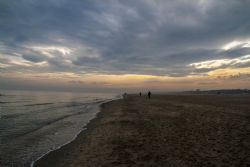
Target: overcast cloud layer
[163,37]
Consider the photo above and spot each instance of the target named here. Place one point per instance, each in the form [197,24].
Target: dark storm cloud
[236,52]
[142,37]
[34,58]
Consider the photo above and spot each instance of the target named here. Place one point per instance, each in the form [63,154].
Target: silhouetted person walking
[140,93]
[124,95]
[149,94]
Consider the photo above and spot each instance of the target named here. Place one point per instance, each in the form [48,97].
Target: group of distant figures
[140,94]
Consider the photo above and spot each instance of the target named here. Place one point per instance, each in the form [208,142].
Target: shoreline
[85,127]
[167,130]
[33,162]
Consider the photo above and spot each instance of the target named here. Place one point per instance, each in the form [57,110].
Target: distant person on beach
[140,93]
[124,95]
[149,94]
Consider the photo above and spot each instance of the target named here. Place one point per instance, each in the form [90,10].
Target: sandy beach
[167,130]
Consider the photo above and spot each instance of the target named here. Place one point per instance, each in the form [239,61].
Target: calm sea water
[33,123]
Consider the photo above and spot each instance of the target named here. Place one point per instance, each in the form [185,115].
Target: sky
[124,45]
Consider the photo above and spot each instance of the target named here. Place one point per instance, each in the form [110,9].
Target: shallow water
[32,123]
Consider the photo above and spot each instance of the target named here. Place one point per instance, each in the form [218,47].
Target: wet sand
[167,130]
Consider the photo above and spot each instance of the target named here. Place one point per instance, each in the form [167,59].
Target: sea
[32,123]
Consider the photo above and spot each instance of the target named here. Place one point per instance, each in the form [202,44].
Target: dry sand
[167,130]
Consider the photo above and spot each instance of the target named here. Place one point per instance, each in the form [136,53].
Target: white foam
[33,162]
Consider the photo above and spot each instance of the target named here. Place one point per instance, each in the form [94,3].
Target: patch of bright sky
[221,62]
[47,49]
[236,43]
[229,72]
